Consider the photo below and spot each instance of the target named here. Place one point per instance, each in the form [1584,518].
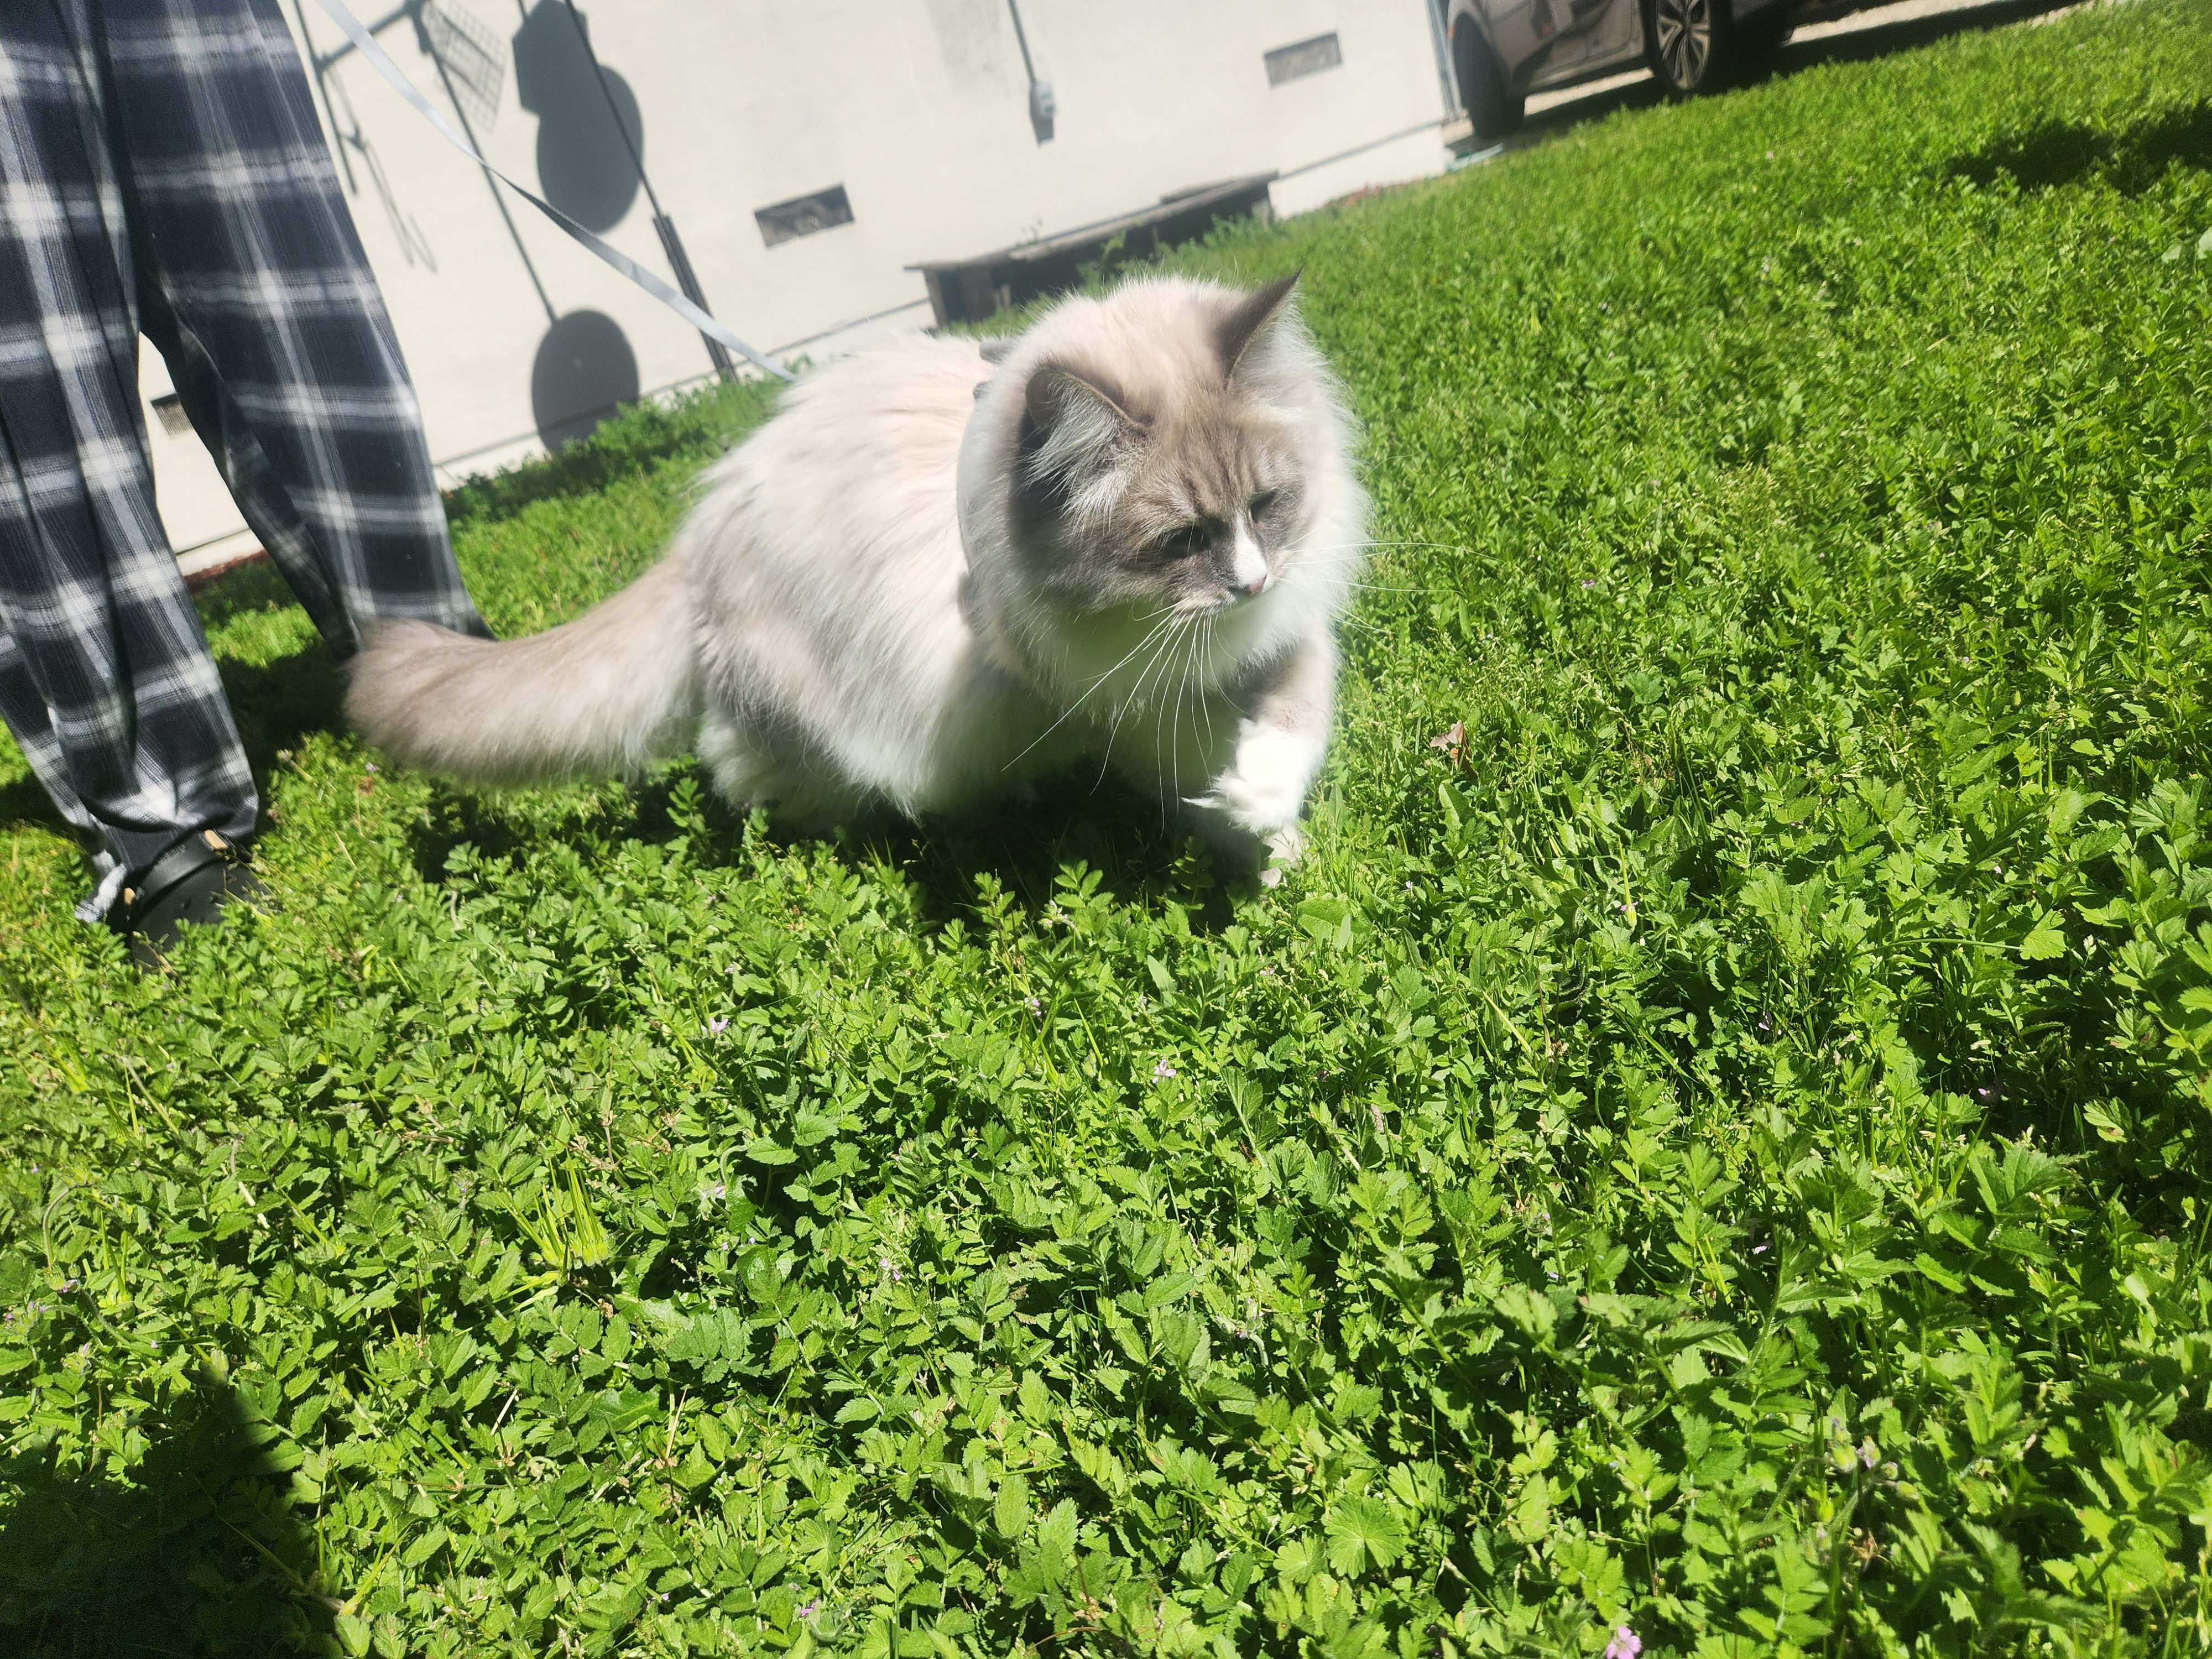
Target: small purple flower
[1589,585]
[1162,1070]
[715,1028]
[372,766]
[1626,1643]
[807,1609]
[1036,1007]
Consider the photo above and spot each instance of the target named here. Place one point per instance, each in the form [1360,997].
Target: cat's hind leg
[742,775]
[747,775]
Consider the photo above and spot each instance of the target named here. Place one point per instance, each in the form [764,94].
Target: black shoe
[190,883]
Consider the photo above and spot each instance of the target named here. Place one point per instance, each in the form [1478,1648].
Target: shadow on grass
[276,704]
[198,1554]
[1861,45]
[1071,818]
[24,804]
[1022,845]
[2132,158]
[249,588]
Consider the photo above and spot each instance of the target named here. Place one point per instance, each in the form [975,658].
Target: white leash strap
[645,279]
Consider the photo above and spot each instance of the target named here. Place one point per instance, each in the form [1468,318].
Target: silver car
[1504,50]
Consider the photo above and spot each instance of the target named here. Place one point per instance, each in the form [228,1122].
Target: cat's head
[1166,449]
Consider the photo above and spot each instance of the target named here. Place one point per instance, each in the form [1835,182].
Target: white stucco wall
[917,107]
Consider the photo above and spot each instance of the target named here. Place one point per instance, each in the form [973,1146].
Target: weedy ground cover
[1712,1143]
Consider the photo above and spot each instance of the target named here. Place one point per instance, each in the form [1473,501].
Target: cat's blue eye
[1264,503]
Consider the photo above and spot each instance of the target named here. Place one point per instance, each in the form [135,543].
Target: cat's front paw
[1263,791]
[1285,846]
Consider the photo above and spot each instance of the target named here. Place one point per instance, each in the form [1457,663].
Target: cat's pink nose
[1256,586]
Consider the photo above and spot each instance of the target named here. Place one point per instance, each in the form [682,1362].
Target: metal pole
[1043,106]
[670,244]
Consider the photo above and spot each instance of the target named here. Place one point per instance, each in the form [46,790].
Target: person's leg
[105,676]
[253,284]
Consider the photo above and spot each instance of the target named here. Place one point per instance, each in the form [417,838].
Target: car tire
[1690,44]
[1493,111]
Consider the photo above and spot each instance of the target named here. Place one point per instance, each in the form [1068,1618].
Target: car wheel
[1493,111]
[1688,43]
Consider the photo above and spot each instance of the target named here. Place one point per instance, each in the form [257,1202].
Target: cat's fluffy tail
[607,693]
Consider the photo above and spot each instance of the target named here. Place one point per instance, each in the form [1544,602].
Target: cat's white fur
[858,612]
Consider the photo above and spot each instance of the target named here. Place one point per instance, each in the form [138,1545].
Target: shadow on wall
[590,140]
[585,159]
[584,368]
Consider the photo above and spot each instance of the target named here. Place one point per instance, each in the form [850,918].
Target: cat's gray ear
[1075,426]
[1074,408]
[1251,316]
[997,351]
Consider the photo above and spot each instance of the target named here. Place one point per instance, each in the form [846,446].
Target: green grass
[1719,1147]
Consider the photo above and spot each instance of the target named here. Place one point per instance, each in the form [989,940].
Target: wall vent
[1306,57]
[803,215]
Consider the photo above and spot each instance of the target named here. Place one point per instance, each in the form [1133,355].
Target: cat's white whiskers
[1068,714]
[1161,640]
[1293,560]
[1206,692]
[1199,684]
[1135,700]
[1364,544]
[1174,789]
[1171,784]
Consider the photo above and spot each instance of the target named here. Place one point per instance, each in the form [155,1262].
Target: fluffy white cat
[1134,536]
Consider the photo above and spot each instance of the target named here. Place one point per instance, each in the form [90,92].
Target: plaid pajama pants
[163,171]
